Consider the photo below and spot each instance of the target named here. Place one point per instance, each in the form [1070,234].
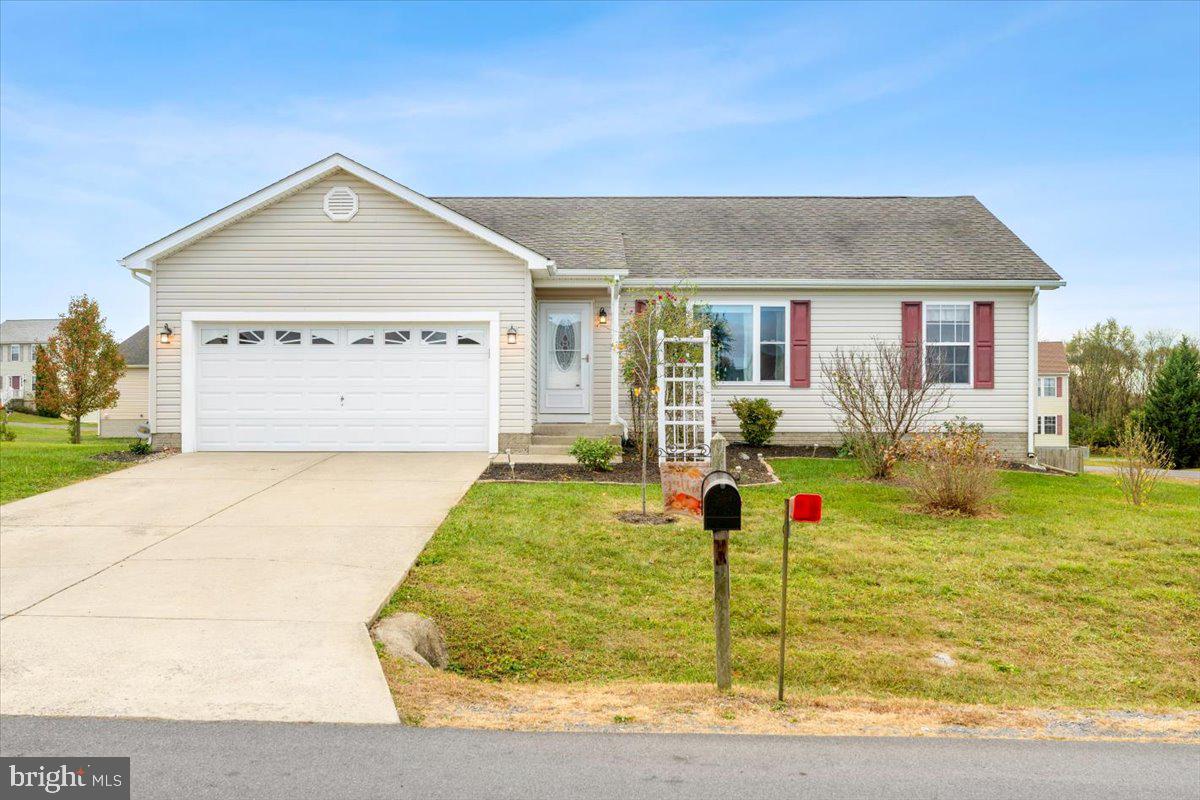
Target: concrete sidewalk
[216,585]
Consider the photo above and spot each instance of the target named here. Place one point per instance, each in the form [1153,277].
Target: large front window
[752,343]
[948,343]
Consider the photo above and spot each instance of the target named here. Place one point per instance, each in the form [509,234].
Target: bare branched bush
[955,468]
[1141,460]
[880,399]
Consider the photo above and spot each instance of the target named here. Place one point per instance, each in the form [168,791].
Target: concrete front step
[567,440]
[575,429]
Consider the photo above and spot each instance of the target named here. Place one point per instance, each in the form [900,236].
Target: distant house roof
[136,349]
[671,238]
[1052,358]
[13,331]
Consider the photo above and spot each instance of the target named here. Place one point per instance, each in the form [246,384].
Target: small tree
[82,364]
[45,392]
[880,398]
[955,468]
[1172,412]
[1141,462]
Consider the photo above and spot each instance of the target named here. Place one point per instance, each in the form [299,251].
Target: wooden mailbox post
[721,505]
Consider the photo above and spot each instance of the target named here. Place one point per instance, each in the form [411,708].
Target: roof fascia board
[843,283]
[571,278]
[143,259]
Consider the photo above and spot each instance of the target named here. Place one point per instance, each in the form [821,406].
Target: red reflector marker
[806,507]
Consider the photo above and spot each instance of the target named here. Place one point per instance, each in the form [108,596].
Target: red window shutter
[639,306]
[985,345]
[1058,387]
[910,341]
[1058,428]
[801,344]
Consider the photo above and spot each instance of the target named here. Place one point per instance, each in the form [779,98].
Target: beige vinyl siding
[24,367]
[132,406]
[1053,406]
[602,351]
[390,257]
[851,319]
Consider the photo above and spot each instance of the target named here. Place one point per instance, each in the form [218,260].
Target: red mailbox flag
[806,507]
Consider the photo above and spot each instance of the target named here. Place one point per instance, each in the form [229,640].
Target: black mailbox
[721,502]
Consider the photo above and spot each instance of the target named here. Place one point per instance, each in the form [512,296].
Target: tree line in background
[1153,382]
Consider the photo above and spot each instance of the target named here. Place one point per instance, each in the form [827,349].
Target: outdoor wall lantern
[603,316]
[164,335]
[512,334]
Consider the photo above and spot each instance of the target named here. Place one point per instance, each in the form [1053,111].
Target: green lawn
[41,459]
[1063,597]
[18,416]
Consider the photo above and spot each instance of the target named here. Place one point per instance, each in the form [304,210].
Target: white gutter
[579,278]
[614,418]
[843,283]
[1031,419]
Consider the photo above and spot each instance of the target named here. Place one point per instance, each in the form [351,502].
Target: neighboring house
[339,310]
[18,340]
[133,405]
[1053,396]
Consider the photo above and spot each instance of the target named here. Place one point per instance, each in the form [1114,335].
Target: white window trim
[1041,425]
[14,348]
[192,320]
[925,344]
[756,349]
[1042,385]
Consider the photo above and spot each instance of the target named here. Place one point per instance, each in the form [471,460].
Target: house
[337,309]
[1053,396]
[133,403]
[19,339]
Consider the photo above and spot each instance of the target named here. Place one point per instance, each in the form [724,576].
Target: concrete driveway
[216,585]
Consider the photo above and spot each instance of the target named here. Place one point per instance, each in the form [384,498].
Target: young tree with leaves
[1105,368]
[1172,411]
[80,364]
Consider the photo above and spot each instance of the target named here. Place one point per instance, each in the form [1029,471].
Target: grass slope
[41,459]
[1064,597]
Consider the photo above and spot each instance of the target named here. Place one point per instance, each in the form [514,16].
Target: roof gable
[136,349]
[19,331]
[143,259]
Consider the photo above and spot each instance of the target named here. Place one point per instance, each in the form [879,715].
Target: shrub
[1172,413]
[19,405]
[756,419]
[595,454]
[7,434]
[955,468]
[1141,461]
[141,448]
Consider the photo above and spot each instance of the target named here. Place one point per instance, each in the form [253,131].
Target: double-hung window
[1049,387]
[948,343]
[750,345]
[1048,425]
[14,352]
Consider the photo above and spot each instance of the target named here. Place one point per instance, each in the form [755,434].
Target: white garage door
[419,386]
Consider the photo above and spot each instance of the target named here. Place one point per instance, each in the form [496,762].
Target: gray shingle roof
[136,349]
[883,238]
[14,331]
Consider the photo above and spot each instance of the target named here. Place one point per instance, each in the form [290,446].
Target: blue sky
[1077,124]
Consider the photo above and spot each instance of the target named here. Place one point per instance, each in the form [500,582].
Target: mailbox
[721,502]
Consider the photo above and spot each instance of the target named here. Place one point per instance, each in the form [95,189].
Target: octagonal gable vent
[341,203]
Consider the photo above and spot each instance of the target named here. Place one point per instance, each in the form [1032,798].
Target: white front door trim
[192,319]
[545,343]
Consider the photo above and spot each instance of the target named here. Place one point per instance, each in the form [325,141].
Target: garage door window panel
[323,336]
[251,336]
[362,338]
[211,337]
[397,337]
[433,337]
[287,337]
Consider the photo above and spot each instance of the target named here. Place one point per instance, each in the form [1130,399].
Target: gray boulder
[414,638]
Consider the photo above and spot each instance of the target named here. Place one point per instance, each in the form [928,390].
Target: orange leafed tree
[78,368]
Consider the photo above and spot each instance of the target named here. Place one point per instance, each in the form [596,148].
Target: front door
[565,333]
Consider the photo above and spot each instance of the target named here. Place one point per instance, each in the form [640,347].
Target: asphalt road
[247,760]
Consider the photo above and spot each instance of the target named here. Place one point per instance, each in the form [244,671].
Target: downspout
[1031,418]
[614,417]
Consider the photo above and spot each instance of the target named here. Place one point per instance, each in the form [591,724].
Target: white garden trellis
[684,397]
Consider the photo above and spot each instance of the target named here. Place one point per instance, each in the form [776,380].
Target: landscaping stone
[414,638]
[944,660]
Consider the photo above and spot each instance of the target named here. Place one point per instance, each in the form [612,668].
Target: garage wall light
[164,335]
[512,334]
[603,316]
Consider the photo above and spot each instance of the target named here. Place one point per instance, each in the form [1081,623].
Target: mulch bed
[126,457]
[753,471]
